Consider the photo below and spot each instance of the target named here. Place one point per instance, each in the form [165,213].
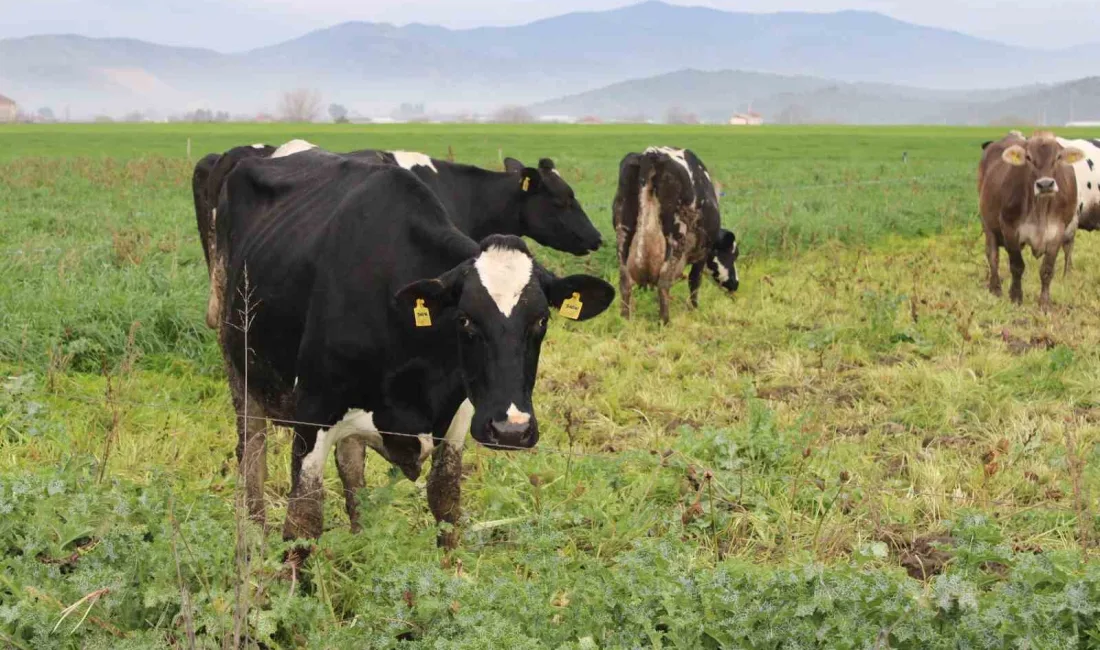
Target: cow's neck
[490,201]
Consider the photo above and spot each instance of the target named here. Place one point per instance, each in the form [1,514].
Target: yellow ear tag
[421,314]
[526,183]
[571,308]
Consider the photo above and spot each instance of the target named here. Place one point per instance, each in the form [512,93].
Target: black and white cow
[1087,172]
[666,218]
[371,314]
[206,184]
[523,201]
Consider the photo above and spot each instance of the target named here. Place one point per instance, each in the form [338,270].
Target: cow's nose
[511,434]
[1045,185]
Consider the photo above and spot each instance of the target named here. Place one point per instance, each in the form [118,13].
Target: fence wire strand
[657,459]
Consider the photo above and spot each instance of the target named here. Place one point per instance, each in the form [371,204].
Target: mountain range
[844,57]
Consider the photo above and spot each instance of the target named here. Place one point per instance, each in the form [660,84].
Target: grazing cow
[522,201]
[371,316]
[1028,197]
[206,185]
[666,217]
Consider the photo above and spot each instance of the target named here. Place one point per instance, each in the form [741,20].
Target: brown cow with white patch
[1028,197]
[666,218]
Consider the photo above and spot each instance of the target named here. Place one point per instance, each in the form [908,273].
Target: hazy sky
[234,25]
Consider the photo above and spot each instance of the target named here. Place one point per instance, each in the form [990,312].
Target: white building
[8,109]
[750,118]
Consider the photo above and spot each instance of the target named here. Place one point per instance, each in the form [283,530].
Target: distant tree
[221,116]
[409,111]
[677,115]
[134,116]
[512,115]
[793,114]
[45,114]
[301,105]
[338,113]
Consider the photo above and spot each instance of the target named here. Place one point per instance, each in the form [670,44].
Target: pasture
[862,448]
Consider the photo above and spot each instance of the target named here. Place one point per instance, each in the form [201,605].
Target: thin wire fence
[653,458]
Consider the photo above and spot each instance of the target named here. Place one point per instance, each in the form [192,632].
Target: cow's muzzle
[511,435]
[1045,186]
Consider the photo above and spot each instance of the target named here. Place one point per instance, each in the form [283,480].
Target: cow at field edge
[1087,172]
[206,185]
[1027,197]
[372,315]
[666,217]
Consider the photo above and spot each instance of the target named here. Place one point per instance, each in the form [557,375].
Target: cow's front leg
[993,257]
[695,278]
[1016,266]
[626,288]
[1046,274]
[1067,248]
[350,462]
[305,507]
[445,479]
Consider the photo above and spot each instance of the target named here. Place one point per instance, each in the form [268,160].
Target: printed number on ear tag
[571,308]
[421,314]
[526,184]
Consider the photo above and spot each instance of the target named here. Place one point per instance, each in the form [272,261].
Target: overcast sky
[234,25]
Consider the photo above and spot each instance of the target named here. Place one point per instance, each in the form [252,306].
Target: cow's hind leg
[251,446]
[626,290]
[993,256]
[695,278]
[1016,266]
[1067,268]
[1046,274]
[350,462]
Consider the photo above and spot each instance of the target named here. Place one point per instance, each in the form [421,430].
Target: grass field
[862,449]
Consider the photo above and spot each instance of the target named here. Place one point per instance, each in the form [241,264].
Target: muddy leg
[1068,249]
[1016,266]
[445,479]
[305,507]
[993,256]
[626,287]
[1046,274]
[695,278]
[217,291]
[251,446]
[350,460]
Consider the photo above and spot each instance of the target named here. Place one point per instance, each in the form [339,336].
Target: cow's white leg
[445,479]
[304,516]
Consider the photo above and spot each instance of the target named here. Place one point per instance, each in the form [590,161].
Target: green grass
[866,410]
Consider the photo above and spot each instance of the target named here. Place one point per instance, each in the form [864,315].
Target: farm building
[750,118]
[8,109]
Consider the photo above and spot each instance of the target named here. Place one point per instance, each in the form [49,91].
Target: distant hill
[714,96]
[372,67]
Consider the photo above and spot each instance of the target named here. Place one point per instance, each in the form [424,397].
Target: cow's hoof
[996,291]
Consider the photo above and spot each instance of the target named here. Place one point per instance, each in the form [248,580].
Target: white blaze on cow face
[293,147]
[516,416]
[504,272]
[677,155]
[410,159]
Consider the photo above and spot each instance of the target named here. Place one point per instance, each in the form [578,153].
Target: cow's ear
[512,166]
[986,144]
[726,240]
[1072,155]
[422,303]
[1014,155]
[579,297]
[530,181]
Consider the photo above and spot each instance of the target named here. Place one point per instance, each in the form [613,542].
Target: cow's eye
[541,323]
[467,326]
